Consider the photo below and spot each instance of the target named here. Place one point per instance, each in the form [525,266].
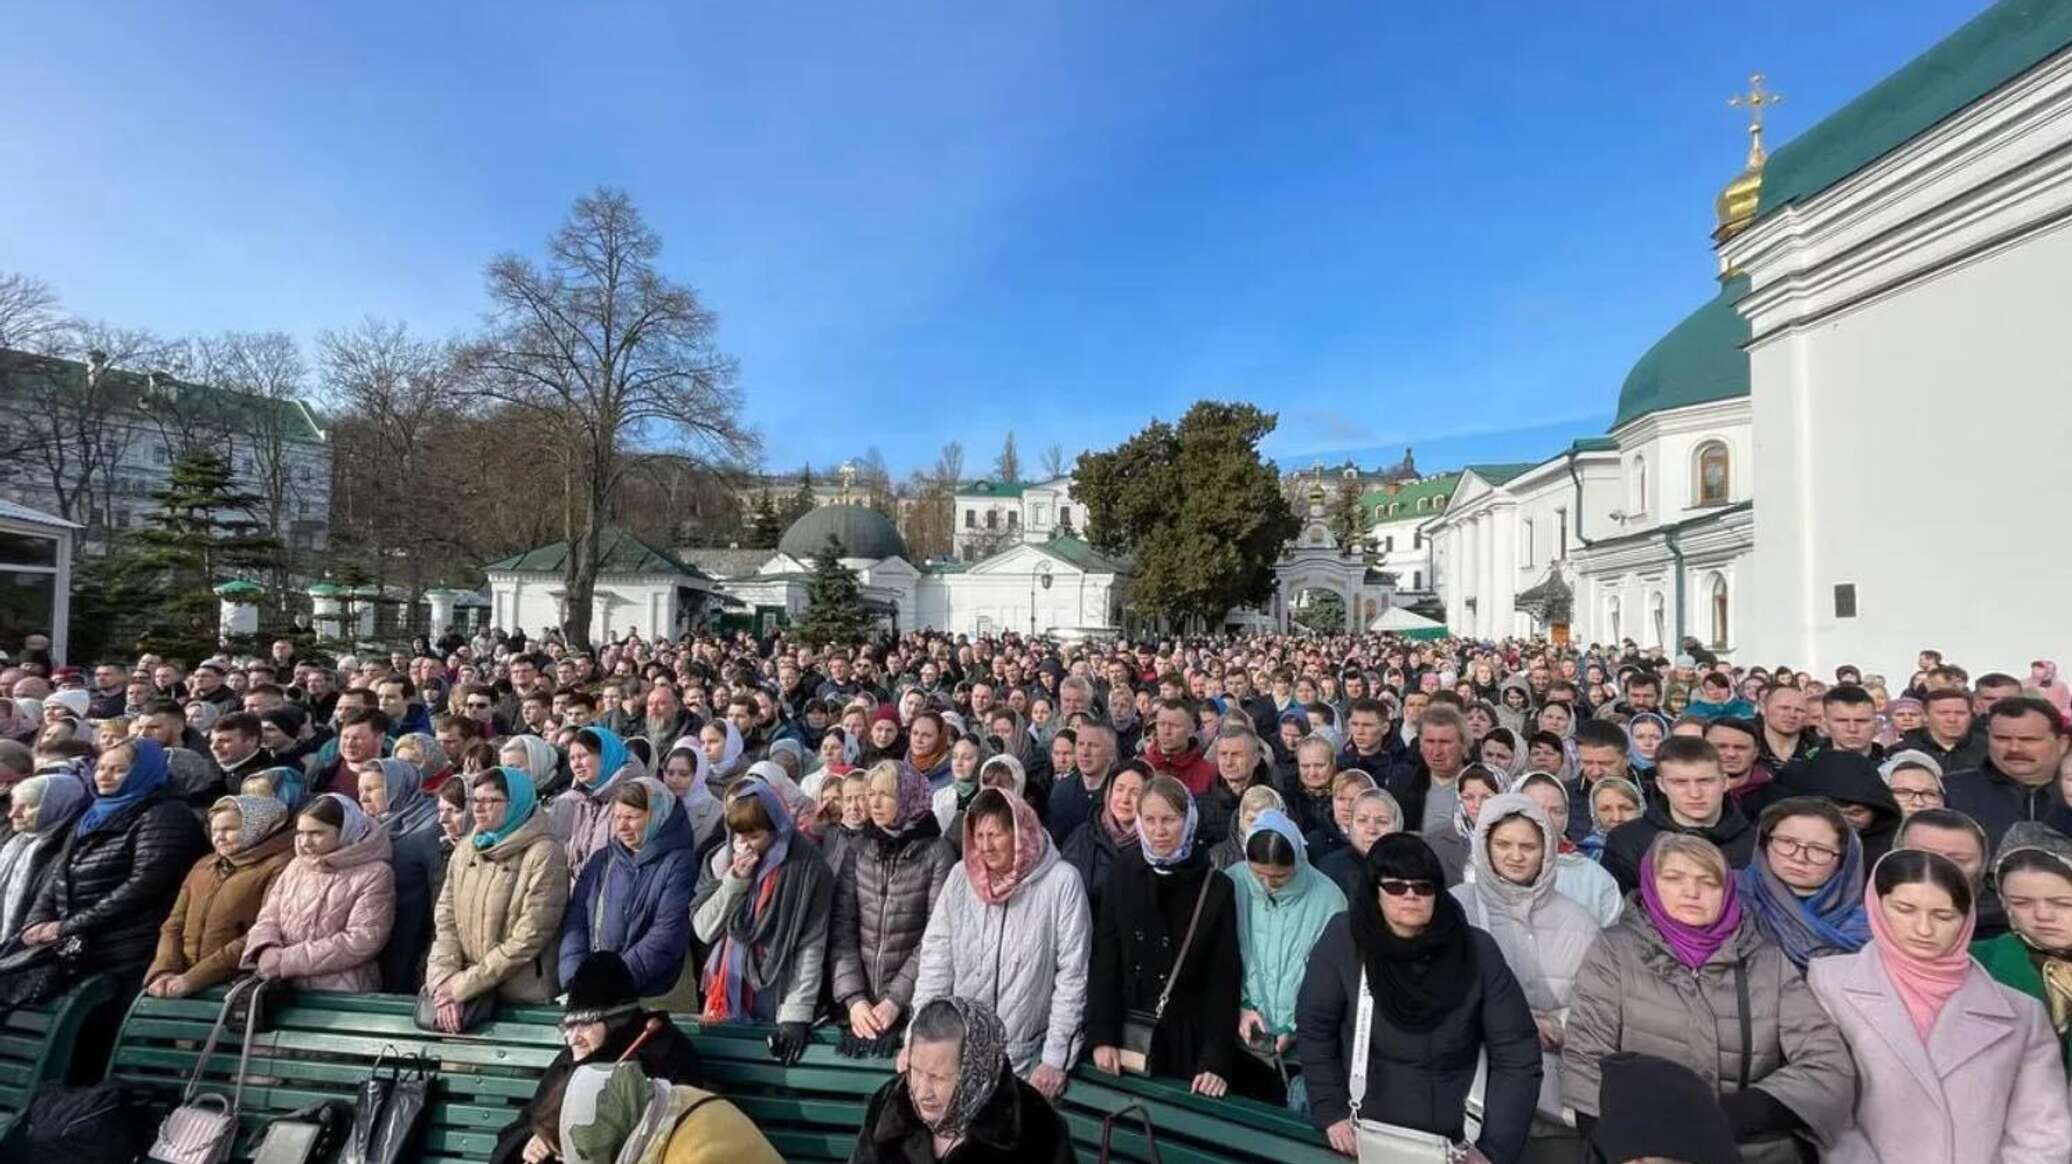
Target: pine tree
[205,530]
[801,502]
[834,603]
[1347,516]
[766,525]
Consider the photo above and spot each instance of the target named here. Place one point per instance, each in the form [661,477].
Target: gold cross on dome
[1755,101]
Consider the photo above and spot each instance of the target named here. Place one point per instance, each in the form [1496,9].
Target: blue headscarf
[289,786]
[147,774]
[1277,928]
[611,755]
[1634,760]
[525,798]
[1829,921]
[1180,853]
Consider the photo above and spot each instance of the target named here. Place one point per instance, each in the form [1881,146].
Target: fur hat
[601,989]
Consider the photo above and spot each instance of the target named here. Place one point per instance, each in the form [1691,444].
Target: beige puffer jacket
[326,919]
[498,915]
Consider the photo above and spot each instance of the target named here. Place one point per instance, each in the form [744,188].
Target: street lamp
[1041,576]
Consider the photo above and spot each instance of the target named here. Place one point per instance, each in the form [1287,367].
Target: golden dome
[1736,205]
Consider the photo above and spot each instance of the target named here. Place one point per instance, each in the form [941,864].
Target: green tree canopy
[1347,516]
[204,530]
[1197,508]
[834,602]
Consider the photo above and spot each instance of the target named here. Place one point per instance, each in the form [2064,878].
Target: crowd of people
[1557,903]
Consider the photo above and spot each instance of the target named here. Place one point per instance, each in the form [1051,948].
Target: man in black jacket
[1947,733]
[1694,800]
[2025,739]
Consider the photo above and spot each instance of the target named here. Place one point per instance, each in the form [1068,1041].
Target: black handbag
[1138,1026]
[473,1013]
[306,1136]
[104,1123]
[1108,1132]
[30,975]
[389,1113]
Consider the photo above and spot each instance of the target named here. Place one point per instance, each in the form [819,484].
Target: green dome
[1698,361]
[862,531]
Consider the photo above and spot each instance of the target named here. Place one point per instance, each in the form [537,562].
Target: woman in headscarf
[1951,1066]
[500,909]
[1644,734]
[201,715]
[392,792]
[1230,851]
[329,913]
[613,1111]
[1373,815]
[40,810]
[1515,897]
[539,760]
[1614,800]
[881,907]
[582,816]
[603,1022]
[884,739]
[833,759]
[287,785]
[1282,906]
[951,800]
[204,936]
[454,817]
[1805,885]
[2043,676]
[928,748]
[957,1099]
[635,897]
[1165,948]
[111,885]
[1576,876]
[1437,996]
[1501,753]
[1094,847]
[1452,841]
[765,915]
[685,770]
[423,750]
[1514,703]
[2033,872]
[1012,927]
[1690,976]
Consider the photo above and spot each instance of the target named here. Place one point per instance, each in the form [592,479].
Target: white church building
[1857,447]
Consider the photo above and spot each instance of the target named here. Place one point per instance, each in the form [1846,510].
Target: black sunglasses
[1395,887]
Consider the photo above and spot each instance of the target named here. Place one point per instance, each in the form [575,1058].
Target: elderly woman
[881,907]
[1915,779]
[635,897]
[1912,1005]
[1805,885]
[1371,815]
[109,889]
[1614,800]
[604,1023]
[2033,871]
[1576,876]
[329,913]
[957,1099]
[1690,976]
[1283,904]
[1515,896]
[1230,851]
[1094,847]
[613,1111]
[763,906]
[501,906]
[1012,927]
[423,750]
[1453,840]
[392,792]
[582,816]
[1164,947]
[1401,999]
[40,811]
[204,937]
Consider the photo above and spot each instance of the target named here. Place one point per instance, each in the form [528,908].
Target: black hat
[601,989]
[1652,1107]
[289,718]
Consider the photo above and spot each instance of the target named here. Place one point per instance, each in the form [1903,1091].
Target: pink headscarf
[1030,842]
[1923,984]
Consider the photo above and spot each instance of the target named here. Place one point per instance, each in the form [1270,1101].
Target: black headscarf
[1416,982]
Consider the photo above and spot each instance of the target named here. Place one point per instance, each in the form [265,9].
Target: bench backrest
[36,1042]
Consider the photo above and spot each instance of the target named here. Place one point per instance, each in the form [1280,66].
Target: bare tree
[79,415]
[607,355]
[1008,465]
[31,319]
[949,465]
[1053,462]
[267,371]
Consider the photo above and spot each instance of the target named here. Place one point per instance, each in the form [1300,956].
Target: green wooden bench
[323,1045]
[36,1042]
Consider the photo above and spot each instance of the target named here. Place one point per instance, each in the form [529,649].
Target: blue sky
[1454,225]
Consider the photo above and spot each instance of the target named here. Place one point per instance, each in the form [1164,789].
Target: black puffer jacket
[881,910]
[1016,1125]
[114,887]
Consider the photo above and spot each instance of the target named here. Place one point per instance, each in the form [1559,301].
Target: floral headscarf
[1031,842]
[981,1063]
[259,817]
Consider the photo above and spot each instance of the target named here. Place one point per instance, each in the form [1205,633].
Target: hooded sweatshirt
[1277,928]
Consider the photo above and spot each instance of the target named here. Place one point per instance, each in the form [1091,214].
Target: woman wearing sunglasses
[1439,995]
[1690,976]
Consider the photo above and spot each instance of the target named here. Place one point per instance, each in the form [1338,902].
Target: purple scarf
[1692,945]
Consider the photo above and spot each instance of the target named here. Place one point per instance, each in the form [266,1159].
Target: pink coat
[326,919]
[1989,1085]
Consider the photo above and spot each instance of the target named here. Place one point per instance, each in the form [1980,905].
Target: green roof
[195,403]
[618,552]
[1497,474]
[1080,555]
[1998,45]
[984,487]
[239,587]
[1596,444]
[1699,360]
[1434,491]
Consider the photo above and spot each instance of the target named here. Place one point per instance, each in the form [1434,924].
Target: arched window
[1710,474]
[1658,618]
[1640,485]
[1611,619]
[1395,507]
[1719,611]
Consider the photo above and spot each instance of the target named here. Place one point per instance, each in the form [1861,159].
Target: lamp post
[1040,577]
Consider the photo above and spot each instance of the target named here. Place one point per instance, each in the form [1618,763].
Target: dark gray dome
[862,531]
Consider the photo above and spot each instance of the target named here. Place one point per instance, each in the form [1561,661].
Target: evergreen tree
[766,524]
[205,530]
[801,502]
[1347,516]
[834,603]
